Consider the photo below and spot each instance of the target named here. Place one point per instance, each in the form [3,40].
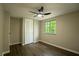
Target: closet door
[28,31]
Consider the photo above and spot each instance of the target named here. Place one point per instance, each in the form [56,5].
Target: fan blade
[33,12]
[41,9]
[47,13]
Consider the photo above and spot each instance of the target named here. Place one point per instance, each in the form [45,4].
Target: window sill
[50,33]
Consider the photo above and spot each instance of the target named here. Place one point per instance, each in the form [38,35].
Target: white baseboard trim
[30,43]
[23,44]
[35,41]
[16,43]
[5,52]
[73,51]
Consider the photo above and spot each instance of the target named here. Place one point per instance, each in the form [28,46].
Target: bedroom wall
[36,30]
[1,28]
[6,31]
[15,30]
[67,32]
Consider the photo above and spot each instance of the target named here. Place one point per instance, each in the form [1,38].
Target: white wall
[6,41]
[36,30]
[15,30]
[1,28]
[67,32]
[4,30]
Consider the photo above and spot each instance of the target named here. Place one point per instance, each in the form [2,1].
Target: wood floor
[37,49]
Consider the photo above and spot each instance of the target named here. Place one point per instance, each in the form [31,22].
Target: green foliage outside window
[50,26]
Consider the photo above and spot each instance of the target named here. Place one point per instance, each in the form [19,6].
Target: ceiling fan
[40,12]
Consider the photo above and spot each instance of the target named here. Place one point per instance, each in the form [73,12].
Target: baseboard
[30,43]
[16,43]
[35,41]
[23,44]
[73,51]
[5,52]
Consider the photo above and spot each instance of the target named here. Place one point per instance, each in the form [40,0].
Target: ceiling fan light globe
[39,15]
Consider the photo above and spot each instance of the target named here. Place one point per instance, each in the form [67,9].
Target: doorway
[23,30]
[15,30]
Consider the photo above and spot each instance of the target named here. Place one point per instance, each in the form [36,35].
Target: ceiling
[22,9]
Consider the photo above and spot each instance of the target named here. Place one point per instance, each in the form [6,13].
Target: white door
[28,31]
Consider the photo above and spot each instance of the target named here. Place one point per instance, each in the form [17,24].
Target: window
[50,27]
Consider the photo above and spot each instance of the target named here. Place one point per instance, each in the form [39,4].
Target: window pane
[46,27]
[50,27]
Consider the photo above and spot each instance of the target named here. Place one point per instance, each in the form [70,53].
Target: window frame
[52,19]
